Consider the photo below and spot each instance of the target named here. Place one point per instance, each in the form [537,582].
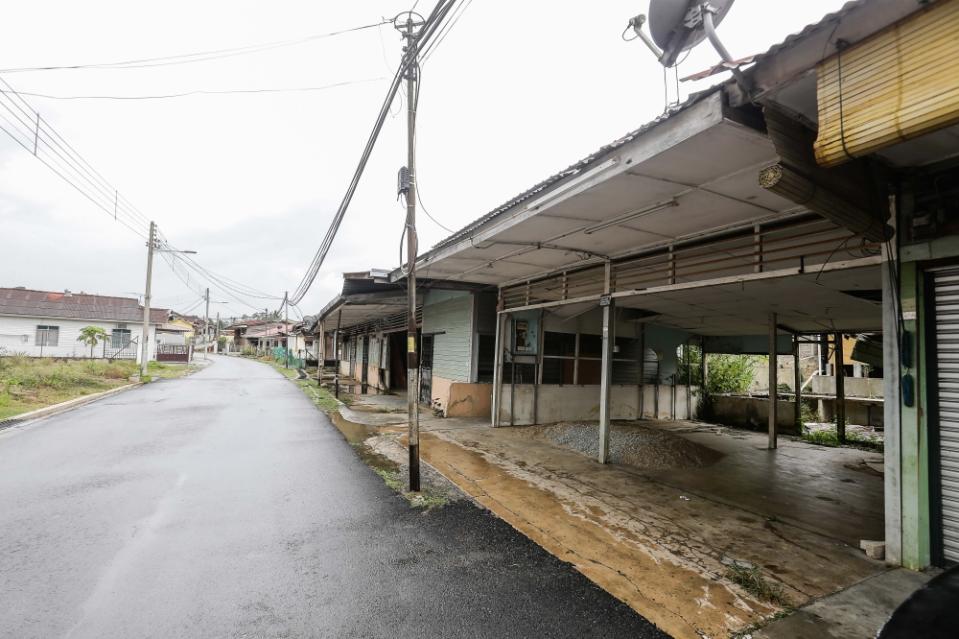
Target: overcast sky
[516,92]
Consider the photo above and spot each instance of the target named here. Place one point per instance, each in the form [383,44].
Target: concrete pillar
[797,383]
[840,389]
[609,340]
[773,383]
[892,436]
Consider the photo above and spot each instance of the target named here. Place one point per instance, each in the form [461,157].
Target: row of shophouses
[814,194]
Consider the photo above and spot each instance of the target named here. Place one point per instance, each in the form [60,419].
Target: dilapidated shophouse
[808,199]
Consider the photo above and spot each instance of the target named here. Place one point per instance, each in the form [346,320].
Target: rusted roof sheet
[22,302]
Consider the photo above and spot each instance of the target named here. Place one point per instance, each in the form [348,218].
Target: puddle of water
[356,435]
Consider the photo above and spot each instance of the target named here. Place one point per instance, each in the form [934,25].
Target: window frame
[46,330]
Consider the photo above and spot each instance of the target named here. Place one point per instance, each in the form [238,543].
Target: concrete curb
[62,407]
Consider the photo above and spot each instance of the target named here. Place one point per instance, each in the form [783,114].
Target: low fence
[281,356]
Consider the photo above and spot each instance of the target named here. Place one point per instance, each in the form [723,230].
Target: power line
[428,30]
[24,126]
[198,56]
[185,94]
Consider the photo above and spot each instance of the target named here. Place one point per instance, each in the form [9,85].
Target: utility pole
[286,326]
[412,356]
[145,346]
[206,323]
[216,332]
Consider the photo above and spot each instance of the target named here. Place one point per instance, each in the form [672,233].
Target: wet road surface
[226,505]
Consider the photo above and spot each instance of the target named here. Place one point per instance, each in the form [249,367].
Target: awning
[688,175]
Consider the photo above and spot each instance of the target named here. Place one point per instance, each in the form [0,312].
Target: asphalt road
[226,505]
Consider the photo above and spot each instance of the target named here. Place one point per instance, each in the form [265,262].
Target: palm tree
[91,336]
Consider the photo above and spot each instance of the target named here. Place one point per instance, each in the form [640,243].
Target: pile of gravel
[632,444]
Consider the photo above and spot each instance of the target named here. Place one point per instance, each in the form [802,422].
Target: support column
[703,375]
[609,340]
[840,390]
[773,383]
[892,425]
[797,383]
[642,370]
[498,369]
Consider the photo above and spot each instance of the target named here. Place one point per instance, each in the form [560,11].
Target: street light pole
[412,355]
[145,346]
[206,323]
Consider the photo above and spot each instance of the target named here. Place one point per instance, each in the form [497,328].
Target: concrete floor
[835,492]
[661,540]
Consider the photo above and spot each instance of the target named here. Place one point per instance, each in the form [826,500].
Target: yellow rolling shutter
[899,84]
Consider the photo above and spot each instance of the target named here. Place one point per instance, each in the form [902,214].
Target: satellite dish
[679,25]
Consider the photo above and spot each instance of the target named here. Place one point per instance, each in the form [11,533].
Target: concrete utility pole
[412,356]
[206,323]
[286,326]
[145,346]
[216,334]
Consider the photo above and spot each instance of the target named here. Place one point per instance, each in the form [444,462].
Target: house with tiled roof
[48,324]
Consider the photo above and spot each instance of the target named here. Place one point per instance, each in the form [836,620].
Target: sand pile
[632,444]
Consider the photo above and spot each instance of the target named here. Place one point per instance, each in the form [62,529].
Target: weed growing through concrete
[831,439]
[424,500]
[750,579]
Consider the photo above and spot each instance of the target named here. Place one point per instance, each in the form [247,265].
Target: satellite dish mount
[677,26]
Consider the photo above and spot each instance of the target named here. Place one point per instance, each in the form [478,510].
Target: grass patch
[166,370]
[27,384]
[830,438]
[424,500]
[750,579]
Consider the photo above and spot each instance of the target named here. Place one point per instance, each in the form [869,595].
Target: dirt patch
[630,444]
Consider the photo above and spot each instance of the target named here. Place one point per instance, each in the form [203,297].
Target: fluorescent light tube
[632,215]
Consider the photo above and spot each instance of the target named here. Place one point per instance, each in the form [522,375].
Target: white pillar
[609,341]
[773,382]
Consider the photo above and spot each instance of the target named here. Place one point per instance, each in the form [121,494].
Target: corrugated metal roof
[573,169]
[22,302]
[792,39]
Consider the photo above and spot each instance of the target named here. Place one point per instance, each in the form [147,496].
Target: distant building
[48,324]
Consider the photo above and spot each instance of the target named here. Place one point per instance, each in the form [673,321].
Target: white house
[48,324]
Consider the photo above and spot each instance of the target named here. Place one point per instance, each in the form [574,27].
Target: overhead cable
[186,94]
[428,30]
[198,56]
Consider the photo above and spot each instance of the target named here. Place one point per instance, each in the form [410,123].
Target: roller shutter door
[947,382]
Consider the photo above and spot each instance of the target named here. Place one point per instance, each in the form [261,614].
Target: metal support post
[797,383]
[642,371]
[608,305]
[145,346]
[336,354]
[773,383]
[703,373]
[840,390]
[498,369]
[320,352]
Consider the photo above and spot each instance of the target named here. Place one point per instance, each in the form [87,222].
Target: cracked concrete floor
[661,549]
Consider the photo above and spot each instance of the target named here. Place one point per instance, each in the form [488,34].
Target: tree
[91,336]
[726,373]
